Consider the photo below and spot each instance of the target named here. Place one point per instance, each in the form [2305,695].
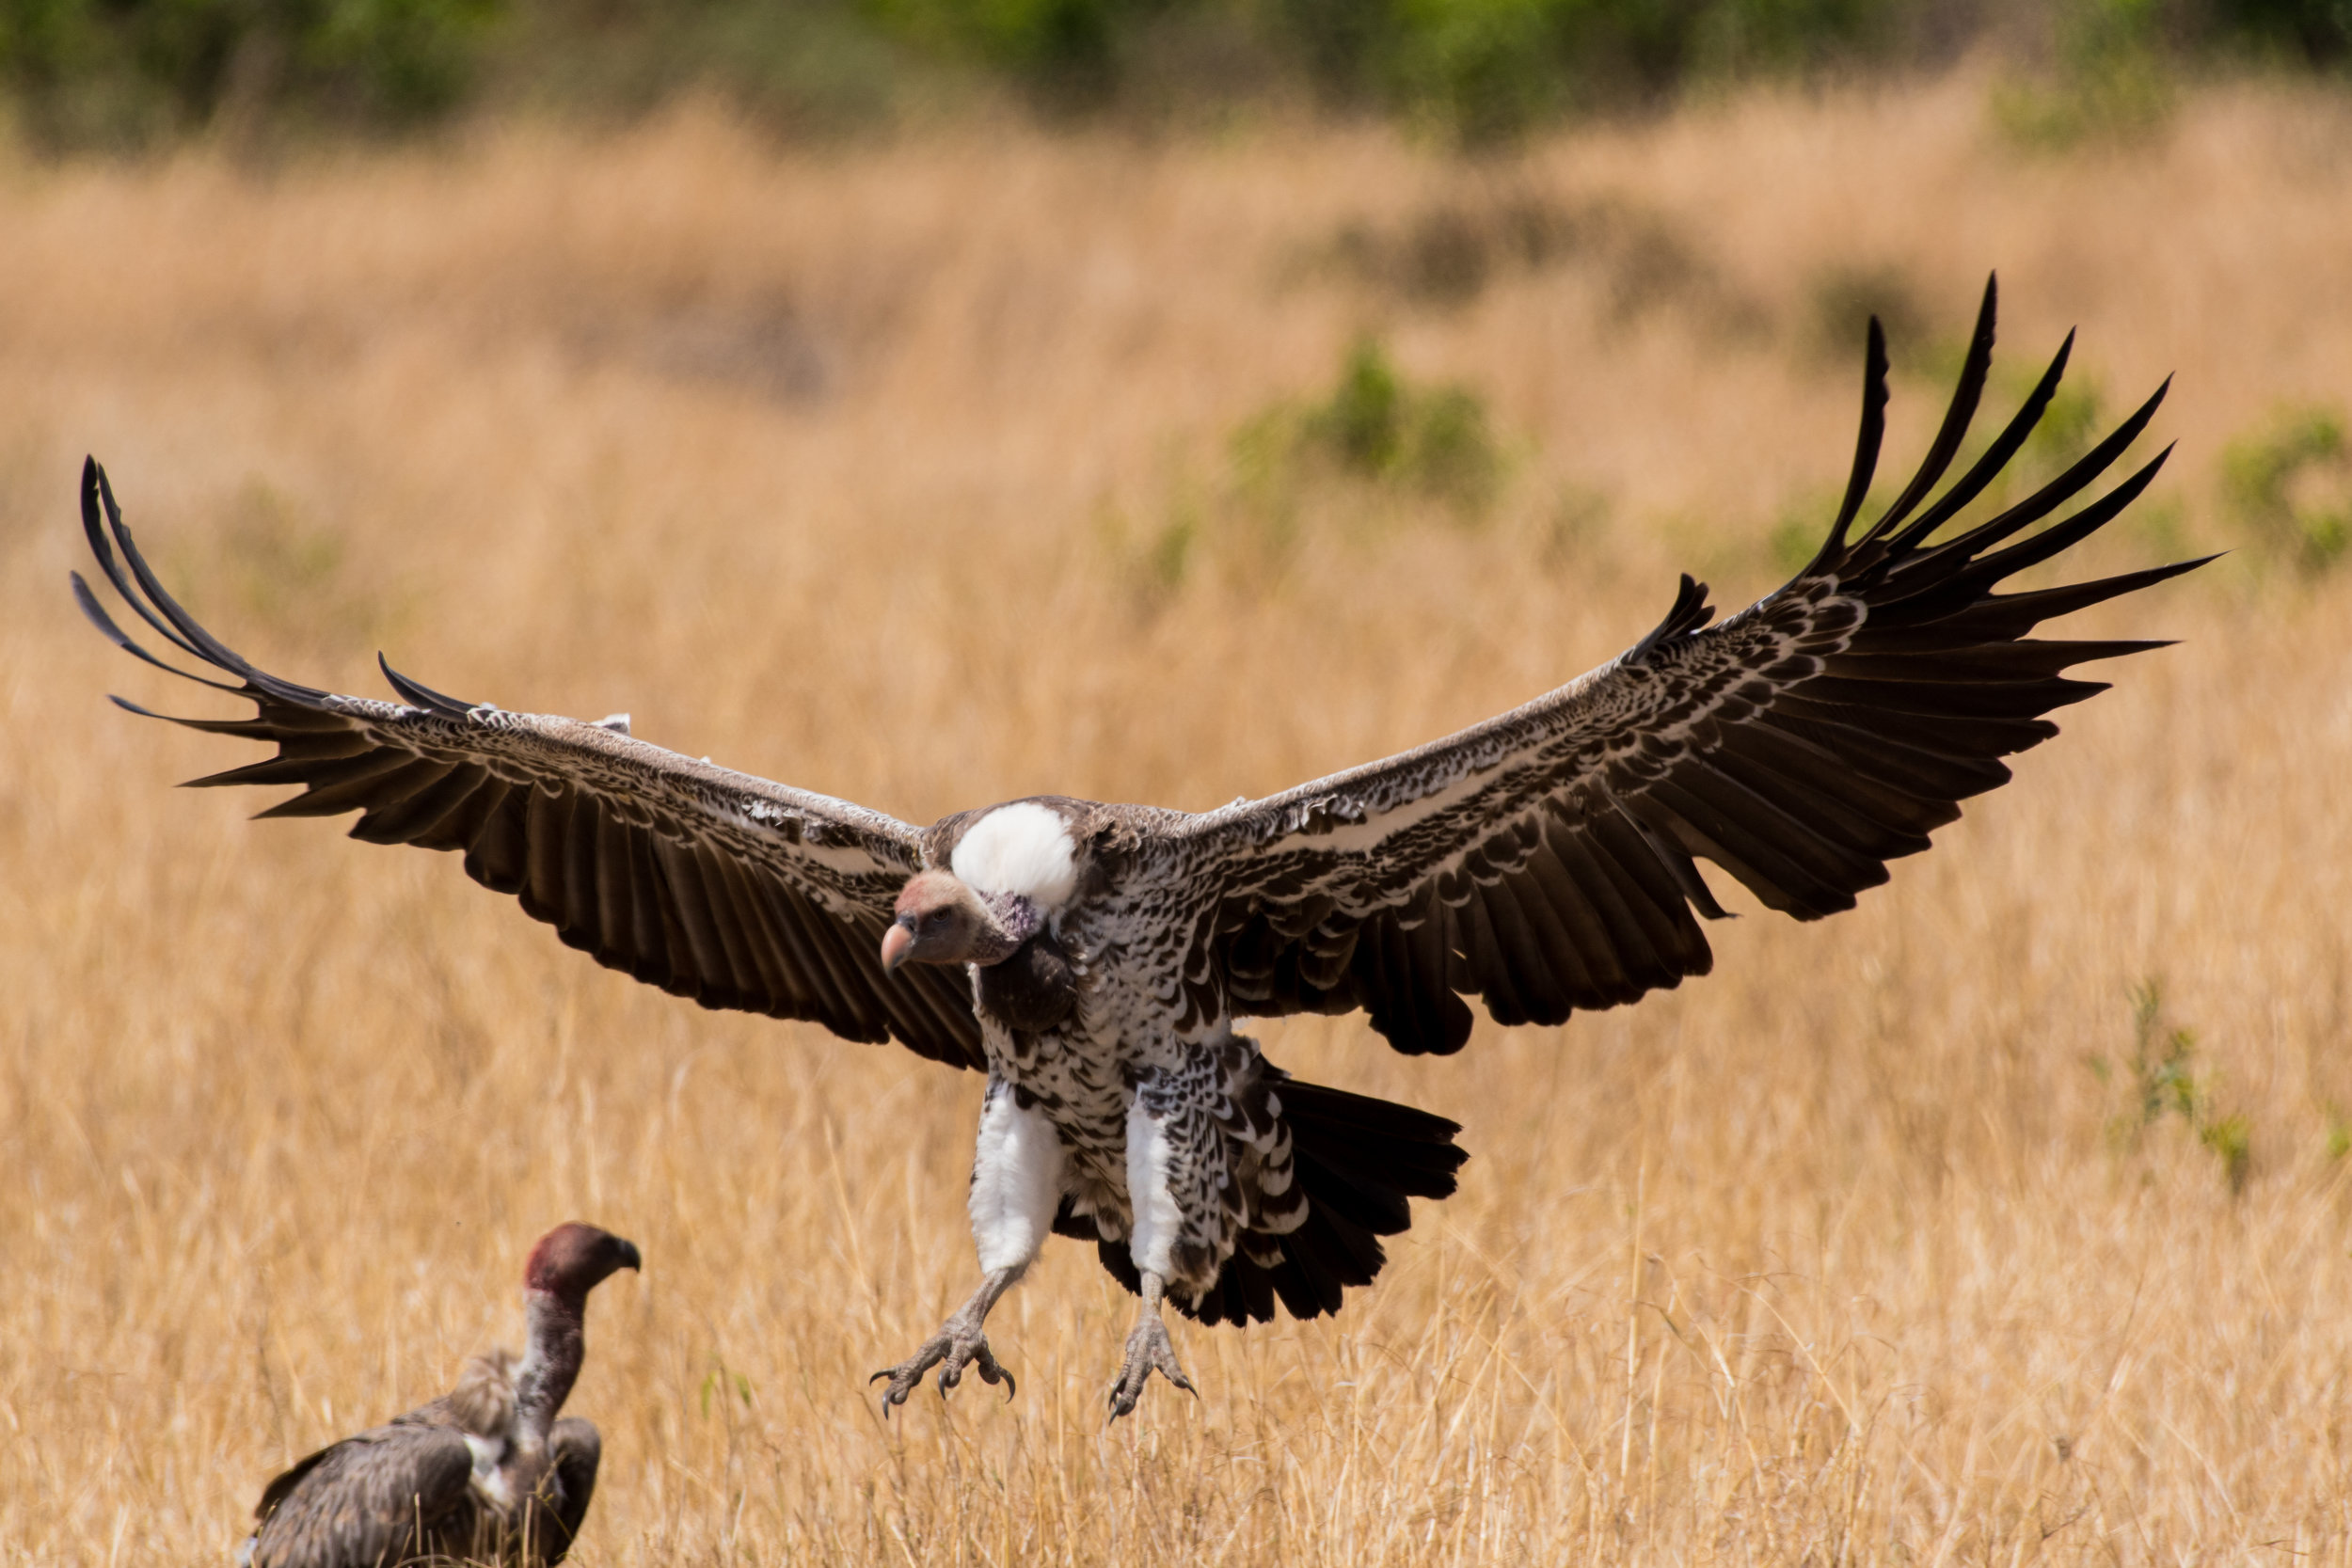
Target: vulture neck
[551,1365]
[1011,920]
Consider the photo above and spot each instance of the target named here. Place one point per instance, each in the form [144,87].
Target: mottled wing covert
[1544,860]
[365,1500]
[711,884]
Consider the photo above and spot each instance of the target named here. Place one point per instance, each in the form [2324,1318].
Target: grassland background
[905,473]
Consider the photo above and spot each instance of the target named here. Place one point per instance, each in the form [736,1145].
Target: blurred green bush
[1471,72]
[1376,425]
[118,72]
[2288,485]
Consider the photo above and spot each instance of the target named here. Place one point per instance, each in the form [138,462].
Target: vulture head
[942,919]
[1012,866]
[573,1259]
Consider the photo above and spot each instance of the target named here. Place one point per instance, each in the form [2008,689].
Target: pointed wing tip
[2165,573]
[1866,456]
[90,607]
[92,527]
[2125,649]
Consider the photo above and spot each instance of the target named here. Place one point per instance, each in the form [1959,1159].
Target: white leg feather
[1016,1186]
[1157,1219]
[1016,1181]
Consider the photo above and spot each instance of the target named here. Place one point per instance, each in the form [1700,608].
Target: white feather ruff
[489,1470]
[1016,1181]
[1159,1222]
[1022,849]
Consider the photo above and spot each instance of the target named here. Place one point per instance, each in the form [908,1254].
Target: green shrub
[1480,73]
[2317,31]
[2288,485]
[2112,81]
[806,67]
[1376,452]
[1362,425]
[1474,73]
[126,71]
[1483,72]
[2161,1080]
[1374,426]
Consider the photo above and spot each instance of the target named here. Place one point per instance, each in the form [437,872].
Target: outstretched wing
[711,884]
[1544,860]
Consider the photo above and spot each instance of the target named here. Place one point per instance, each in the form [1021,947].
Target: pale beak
[897,944]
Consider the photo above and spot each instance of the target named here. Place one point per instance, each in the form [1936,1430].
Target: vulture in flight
[1094,962]
[485,1474]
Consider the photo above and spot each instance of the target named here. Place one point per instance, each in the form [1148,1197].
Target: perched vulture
[1093,961]
[485,1473]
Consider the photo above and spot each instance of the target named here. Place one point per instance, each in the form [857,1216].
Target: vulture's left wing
[375,1498]
[1544,860]
[711,884]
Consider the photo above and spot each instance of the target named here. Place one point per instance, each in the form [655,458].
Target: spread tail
[1359,1159]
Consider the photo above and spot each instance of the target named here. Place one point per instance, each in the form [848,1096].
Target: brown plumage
[485,1473]
[1095,960]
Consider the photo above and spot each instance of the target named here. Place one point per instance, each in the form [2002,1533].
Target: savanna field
[2004,1219]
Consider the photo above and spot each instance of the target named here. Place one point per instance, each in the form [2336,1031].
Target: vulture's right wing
[1544,860]
[711,884]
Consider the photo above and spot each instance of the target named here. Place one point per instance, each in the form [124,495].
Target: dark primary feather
[711,884]
[1544,860]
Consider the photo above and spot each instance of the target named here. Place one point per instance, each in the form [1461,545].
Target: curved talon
[983,1363]
[892,1395]
[952,1349]
[959,1343]
[907,1373]
[1149,1351]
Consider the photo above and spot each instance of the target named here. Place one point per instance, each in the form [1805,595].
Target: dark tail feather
[1358,1158]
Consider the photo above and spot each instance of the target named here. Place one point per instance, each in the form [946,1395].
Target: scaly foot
[958,1344]
[1149,1351]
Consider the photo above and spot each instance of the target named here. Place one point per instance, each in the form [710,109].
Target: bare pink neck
[551,1362]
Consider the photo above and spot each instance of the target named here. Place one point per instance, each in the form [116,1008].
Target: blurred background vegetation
[127,75]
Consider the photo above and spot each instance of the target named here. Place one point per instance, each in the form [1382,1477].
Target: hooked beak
[897,944]
[631,1258]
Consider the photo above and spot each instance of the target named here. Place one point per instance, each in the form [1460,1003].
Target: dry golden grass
[833,466]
